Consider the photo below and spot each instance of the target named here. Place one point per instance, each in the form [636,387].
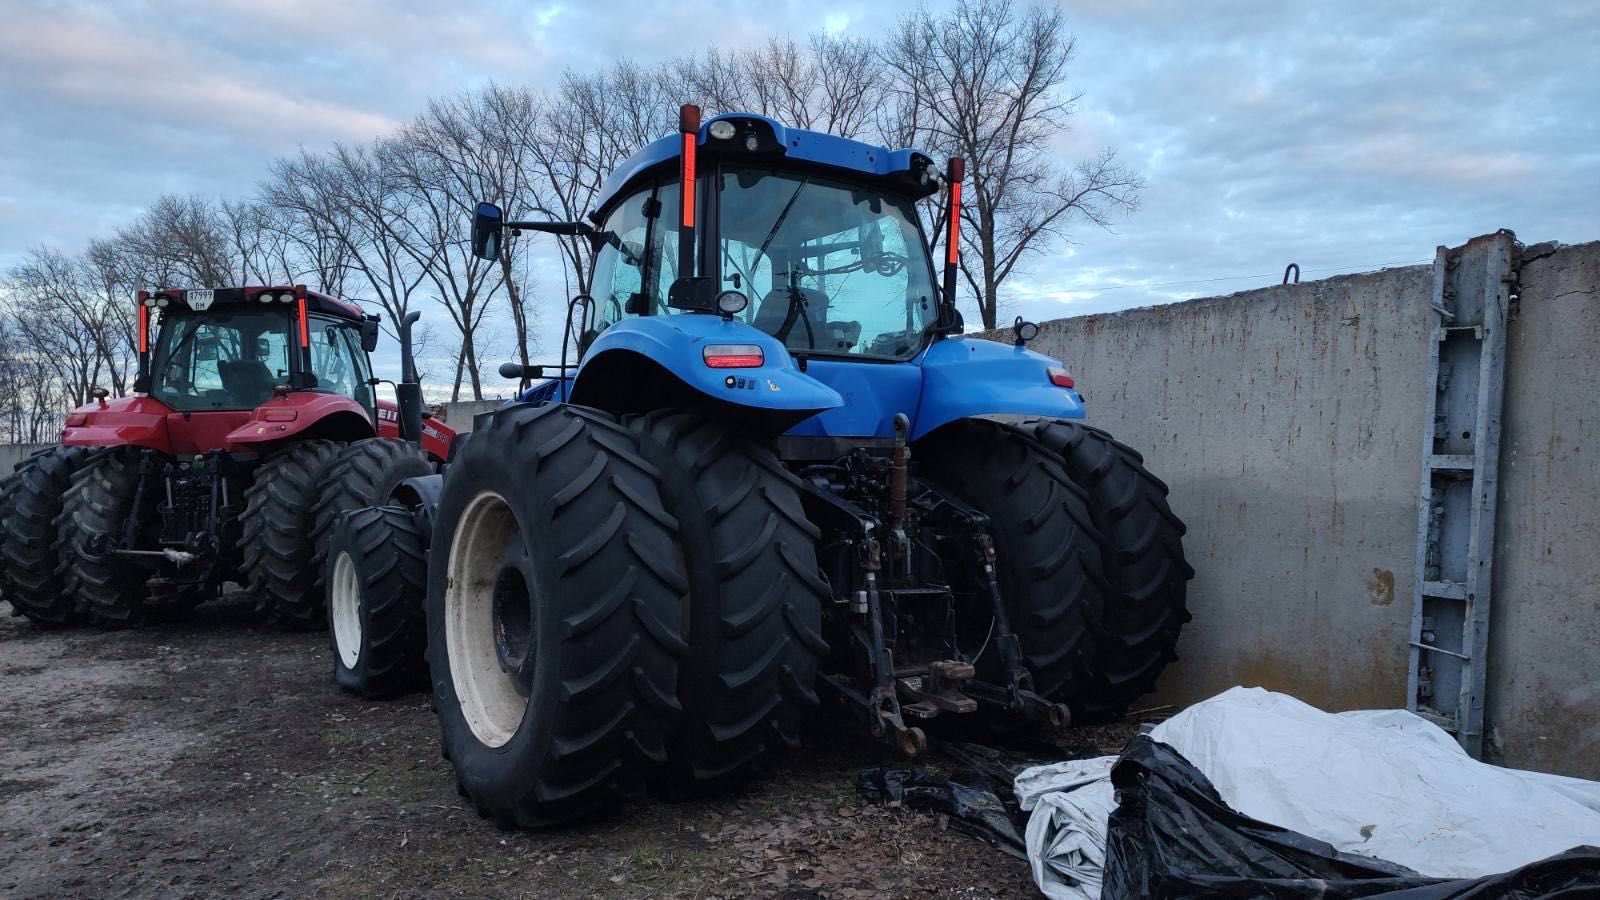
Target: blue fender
[676,342]
[963,377]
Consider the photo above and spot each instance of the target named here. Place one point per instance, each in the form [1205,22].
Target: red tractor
[254,424]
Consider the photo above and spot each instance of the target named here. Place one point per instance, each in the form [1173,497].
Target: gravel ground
[216,758]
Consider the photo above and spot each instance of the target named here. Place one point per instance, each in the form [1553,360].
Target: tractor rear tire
[278,517]
[97,506]
[31,562]
[555,616]
[755,600]
[8,484]
[1142,549]
[1047,549]
[364,474]
[377,574]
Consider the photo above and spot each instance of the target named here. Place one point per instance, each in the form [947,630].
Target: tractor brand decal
[389,415]
[430,432]
[772,386]
[199,301]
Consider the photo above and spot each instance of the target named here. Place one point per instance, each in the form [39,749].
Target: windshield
[226,360]
[829,267]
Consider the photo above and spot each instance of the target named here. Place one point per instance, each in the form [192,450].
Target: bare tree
[830,83]
[179,242]
[70,311]
[434,232]
[985,82]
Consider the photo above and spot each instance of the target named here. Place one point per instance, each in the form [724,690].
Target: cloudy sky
[1342,136]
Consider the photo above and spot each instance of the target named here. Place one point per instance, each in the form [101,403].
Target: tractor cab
[250,370]
[782,276]
[232,349]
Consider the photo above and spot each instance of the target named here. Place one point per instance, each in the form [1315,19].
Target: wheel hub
[513,624]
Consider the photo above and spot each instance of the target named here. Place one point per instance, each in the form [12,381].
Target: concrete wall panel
[1288,422]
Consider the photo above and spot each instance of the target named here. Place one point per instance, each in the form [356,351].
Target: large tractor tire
[31,562]
[755,599]
[555,616]
[1142,550]
[364,474]
[1047,548]
[278,517]
[8,484]
[376,575]
[95,509]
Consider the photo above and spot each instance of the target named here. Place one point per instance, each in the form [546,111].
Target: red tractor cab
[254,423]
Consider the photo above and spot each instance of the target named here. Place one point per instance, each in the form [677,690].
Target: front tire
[555,603]
[277,549]
[376,576]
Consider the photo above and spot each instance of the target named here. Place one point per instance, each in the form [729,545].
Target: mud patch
[215,758]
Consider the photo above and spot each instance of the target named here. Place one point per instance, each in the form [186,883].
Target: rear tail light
[1059,377]
[77,420]
[733,356]
[280,415]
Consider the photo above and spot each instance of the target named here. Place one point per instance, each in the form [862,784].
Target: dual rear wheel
[618,604]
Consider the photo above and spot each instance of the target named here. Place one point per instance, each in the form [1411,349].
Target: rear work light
[280,415]
[1059,377]
[733,356]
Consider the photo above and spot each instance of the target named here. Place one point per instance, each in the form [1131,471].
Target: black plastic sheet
[1172,836]
[977,796]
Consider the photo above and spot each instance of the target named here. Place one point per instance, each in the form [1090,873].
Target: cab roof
[238,296]
[900,170]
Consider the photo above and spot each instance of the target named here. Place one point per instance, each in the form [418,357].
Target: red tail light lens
[279,415]
[733,356]
[1059,377]
[77,420]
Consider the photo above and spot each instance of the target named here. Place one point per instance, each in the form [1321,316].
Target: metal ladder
[1473,287]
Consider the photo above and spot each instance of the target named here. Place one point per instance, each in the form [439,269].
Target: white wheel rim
[345,601]
[488,695]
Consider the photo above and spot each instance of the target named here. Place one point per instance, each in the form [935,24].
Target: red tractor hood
[147,422]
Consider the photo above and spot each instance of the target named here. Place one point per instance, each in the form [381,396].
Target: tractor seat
[774,309]
[248,381]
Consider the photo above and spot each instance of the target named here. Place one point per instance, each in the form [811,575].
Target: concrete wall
[1544,661]
[459,415]
[11,454]
[1288,422]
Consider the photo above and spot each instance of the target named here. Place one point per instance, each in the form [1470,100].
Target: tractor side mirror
[519,371]
[486,223]
[695,293]
[369,333]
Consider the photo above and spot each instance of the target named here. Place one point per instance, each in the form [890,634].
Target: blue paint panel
[871,392]
[964,377]
[676,343]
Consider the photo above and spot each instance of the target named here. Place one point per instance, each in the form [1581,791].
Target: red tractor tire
[29,538]
[279,515]
[96,506]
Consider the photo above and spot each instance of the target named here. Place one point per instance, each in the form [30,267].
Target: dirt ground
[216,758]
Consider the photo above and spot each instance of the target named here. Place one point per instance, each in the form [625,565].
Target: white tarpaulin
[1382,783]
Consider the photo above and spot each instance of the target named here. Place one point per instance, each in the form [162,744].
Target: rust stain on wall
[1381,587]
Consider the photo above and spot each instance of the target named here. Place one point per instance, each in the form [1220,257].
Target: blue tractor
[768,474]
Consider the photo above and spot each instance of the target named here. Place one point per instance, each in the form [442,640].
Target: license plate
[199,301]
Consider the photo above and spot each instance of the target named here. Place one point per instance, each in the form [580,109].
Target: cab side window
[331,361]
[619,264]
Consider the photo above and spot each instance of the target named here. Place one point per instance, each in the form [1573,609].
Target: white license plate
[199,301]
